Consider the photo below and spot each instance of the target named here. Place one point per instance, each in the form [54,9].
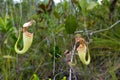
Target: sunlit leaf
[35,77]
[65,5]
[83,5]
[64,78]
[91,5]
[8,57]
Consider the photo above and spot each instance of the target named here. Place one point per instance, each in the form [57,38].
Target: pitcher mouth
[28,34]
[26,26]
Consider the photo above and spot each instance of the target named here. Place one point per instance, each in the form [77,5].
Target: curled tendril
[27,38]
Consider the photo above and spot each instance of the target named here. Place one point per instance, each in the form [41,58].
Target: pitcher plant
[27,38]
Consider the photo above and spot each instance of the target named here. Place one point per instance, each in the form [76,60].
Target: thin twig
[106,28]
[70,71]
[54,53]
[80,31]
[72,54]
[93,32]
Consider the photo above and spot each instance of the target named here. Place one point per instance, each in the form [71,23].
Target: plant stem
[72,55]
[54,53]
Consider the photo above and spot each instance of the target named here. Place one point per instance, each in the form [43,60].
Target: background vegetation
[53,35]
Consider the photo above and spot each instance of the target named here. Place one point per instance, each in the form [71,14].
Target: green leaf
[71,24]
[59,28]
[55,49]
[56,14]
[106,43]
[83,4]
[64,78]
[65,5]
[46,2]
[112,73]
[8,57]
[8,25]
[2,23]
[49,79]
[91,5]
[35,77]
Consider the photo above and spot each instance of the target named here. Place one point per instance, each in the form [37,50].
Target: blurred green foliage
[52,39]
